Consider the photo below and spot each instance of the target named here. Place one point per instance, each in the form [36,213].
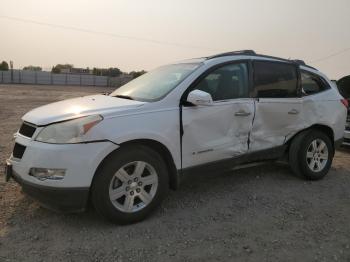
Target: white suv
[124,150]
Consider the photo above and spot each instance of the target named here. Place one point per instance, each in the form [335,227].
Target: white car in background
[124,150]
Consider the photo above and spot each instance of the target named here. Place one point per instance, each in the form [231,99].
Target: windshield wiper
[124,97]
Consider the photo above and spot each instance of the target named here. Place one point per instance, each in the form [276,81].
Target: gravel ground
[261,213]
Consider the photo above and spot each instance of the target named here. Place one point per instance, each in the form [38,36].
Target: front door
[219,131]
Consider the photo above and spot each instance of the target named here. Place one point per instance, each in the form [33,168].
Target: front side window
[275,79]
[227,82]
[156,84]
[312,84]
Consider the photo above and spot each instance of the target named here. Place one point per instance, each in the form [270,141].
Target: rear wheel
[311,154]
[130,184]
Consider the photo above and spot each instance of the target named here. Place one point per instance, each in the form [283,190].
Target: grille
[18,151]
[27,130]
[347,140]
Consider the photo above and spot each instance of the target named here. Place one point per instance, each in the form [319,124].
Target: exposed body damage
[274,121]
[214,133]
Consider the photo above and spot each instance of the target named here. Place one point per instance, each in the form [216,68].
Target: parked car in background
[124,150]
[344,89]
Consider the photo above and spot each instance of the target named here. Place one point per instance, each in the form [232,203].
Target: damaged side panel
[325,109]
[277,121]
[216,132]
[274,120]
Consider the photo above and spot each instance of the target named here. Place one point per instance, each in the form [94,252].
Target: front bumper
[57,199]
[80,162]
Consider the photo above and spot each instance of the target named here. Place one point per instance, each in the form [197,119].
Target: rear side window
[312,84]
[275,79]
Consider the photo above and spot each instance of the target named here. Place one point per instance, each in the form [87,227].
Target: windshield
[155,84]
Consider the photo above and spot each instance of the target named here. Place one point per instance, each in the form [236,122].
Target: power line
[330,56]
[135,38]
[84,30]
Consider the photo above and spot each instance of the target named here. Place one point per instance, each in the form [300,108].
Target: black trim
[18,151]
[56,198]
[258,156]
[250,78]
[181,131]
[27,129]
[299,83]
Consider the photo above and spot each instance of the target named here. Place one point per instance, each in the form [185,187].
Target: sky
[136,34]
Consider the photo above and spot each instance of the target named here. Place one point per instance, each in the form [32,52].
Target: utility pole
[11,67]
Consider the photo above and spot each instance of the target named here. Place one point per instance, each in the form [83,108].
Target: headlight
[68,132]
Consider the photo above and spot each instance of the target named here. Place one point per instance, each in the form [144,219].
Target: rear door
[278,105]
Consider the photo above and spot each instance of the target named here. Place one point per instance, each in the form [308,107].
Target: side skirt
[259,156]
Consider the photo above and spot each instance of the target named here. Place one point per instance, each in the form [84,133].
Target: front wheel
[130,184]
[311,154]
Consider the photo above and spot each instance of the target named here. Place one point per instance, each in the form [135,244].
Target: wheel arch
[157,146]
[320,127]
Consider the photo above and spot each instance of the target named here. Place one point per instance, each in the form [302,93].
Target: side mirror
[199,98]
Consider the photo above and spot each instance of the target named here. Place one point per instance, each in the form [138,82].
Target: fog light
[47,173]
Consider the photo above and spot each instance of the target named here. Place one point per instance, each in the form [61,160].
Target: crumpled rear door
[275,120]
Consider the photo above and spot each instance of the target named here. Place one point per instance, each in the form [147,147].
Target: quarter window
[312,84]
[226,82]
[275,79]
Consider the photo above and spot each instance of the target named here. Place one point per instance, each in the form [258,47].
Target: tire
[125,202]
[306,158]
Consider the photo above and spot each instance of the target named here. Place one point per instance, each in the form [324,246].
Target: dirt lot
[260,213]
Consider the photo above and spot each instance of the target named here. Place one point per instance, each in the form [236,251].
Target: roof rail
[252,53]
[302,63]
[299,62]
[239,52]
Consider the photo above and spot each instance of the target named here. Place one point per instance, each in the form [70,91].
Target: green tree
[112,71]
[136,74]
[4,66]
[57,68]
[32,68]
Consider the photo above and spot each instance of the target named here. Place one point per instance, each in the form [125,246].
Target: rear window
[312,84]
[275,79]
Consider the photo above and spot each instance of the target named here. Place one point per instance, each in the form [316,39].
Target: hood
[77,107]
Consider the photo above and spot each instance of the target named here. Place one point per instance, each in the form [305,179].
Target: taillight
[345,102]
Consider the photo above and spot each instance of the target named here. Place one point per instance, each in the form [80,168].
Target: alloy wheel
[317,155]
[133,186]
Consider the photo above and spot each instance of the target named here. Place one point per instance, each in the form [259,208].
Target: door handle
[242,113]
[293,112]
